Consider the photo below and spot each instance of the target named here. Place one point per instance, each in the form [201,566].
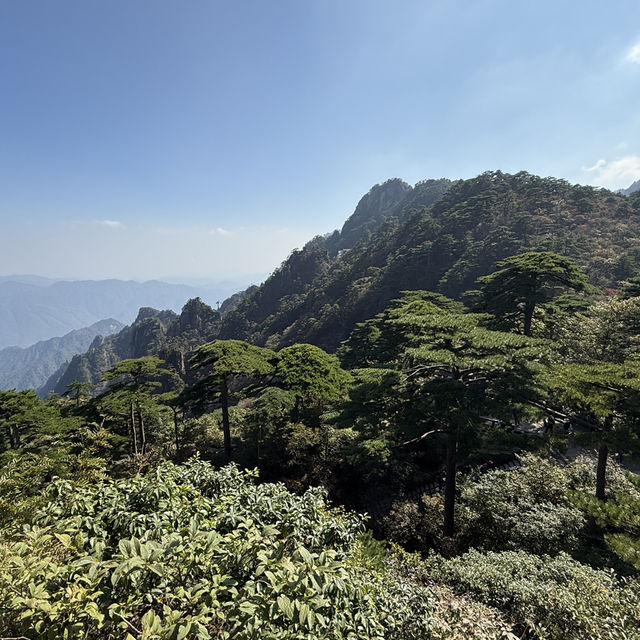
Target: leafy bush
[526,509]
[581,476]
[523,509]
[190,552]
[547,598]
[416,526]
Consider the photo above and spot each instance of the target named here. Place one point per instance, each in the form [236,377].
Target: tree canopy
[525,281]
[228,359]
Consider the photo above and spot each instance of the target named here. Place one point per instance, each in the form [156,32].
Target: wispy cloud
[633,55]
[617,174]
[110,224]
[219,231]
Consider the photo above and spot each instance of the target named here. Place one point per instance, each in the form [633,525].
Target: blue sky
[207,139]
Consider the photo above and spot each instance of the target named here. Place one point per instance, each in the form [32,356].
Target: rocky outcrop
[162,333]
[633,188]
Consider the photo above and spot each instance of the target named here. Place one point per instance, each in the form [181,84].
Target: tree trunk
[175,429]
[143,435]
[14,436]
[296,409]
[134,436]
[226,429]
[450,484]
[529,308]
[603,452]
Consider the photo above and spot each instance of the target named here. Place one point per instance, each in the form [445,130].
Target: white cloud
[617,174]
[219,231]
[110,224]
[633,54]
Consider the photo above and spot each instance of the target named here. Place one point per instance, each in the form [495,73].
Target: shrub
[522,509]
[550,598]
[526,509]
[190,552]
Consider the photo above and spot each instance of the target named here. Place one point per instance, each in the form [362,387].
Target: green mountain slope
[280,295]
[438,235]
[441,246]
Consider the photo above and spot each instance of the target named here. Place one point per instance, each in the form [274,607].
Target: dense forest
[425,425]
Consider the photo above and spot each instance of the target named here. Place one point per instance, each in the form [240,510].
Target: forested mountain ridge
[162,333]
[30,368]
[394,199]
[441,246]
[438,236]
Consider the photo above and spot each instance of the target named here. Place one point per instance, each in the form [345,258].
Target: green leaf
[284,604]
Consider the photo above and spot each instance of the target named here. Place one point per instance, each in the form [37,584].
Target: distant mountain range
[30,368]
[34,308]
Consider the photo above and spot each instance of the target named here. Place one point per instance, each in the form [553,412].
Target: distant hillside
[441,245]
[632,189]
[32,309]
[153,332]
[31,367]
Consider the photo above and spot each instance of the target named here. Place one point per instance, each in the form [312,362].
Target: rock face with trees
[442,244]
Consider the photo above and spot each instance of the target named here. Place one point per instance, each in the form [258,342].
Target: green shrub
[523,509]
[581,476]
[526,509]
[191,552]
[550,598]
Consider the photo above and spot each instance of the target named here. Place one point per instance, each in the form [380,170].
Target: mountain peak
[629,190]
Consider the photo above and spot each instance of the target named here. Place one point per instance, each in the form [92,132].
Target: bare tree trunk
[296,409]
[601,474]
[528,317]
[134,436]
[143,435]
[14,436]
[226,428]
[175,429]
[450,483]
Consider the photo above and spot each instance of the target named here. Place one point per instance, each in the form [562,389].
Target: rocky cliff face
[162,333]
[393,198]
[372,209]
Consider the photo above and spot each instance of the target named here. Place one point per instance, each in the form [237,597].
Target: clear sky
[156,138]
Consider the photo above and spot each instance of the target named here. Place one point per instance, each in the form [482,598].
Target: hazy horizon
[191,282]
